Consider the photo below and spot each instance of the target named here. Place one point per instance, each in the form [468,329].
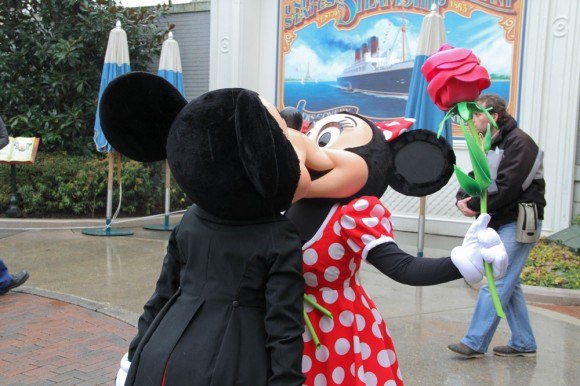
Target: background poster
[325,47]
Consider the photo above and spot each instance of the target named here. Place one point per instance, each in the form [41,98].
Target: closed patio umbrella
[170,69]
[116,63]
[419,105]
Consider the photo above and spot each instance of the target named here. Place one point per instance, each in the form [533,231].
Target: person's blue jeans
[5,277]
[484,321]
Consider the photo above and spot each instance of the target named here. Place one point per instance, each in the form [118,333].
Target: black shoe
[463,350]
[507,351]
[18,279]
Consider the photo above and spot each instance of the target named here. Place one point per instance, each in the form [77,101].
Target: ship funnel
[365,49]
[357,55]
[374,45]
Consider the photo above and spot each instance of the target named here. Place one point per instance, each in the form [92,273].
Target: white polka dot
[310,256]
[361,205]
[349,294]
[399,374]
[346,283]
[364,302]
[346,318]
[365,350]
[330,296]
[320,380]
[387,330]
[310,279]
[347,222]
[352,369]
[387,225]
[352,265]
[386,358]
[307,306]
[370,379]
[322,353]
[370,221]
[360,322]
[376,329]
[378,211]
[336,251]
[360,373]
[306,363]
[342,346]
[390,382]
[338,375]
[366,239]
[336,228]
[356,344]
[306,337]
[377,315]
[353,245]
[387,135]
[331,273]
[326,324]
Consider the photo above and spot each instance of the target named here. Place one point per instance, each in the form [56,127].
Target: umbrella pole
[165,226]
[108,231]
[167,192]
[421,233]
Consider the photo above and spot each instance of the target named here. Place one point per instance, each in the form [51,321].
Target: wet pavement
[75,316]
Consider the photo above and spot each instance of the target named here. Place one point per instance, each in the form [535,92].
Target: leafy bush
[552,265]
[60,185]
[51,59]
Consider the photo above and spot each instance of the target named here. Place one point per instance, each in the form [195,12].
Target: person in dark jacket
[516,167]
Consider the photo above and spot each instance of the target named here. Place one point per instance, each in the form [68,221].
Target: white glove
[468,258]
[123,371]
[493,251]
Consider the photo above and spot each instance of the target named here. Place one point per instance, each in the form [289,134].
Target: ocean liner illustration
[380,72]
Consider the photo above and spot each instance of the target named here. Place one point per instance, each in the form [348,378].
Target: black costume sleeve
[167,285]
[407,269]
[284,312]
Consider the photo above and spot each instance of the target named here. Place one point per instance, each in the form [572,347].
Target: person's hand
[468,257]
[493,251]
[123,371]
[462,206]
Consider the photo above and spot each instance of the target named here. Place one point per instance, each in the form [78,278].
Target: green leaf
[464,111]
[478,159]
[468,184]
[487,140]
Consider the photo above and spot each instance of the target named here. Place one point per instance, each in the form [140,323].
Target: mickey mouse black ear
[420,163]
[136,111]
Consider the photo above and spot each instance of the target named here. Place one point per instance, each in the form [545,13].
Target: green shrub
[60,185]
[552,265]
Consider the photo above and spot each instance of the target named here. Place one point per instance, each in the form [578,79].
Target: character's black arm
[407,269]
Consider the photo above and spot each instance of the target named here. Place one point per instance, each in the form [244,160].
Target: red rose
[454,75]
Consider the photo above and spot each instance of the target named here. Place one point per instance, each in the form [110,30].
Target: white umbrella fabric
[116,63]
[419,105]
[170,69]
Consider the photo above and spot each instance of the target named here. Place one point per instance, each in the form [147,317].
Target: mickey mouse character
[350,224]
[227,308]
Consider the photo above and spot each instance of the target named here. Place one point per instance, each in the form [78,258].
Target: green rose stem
[477,146]
[483,209]
[309,323]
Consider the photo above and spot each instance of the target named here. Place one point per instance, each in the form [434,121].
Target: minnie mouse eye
[328,135]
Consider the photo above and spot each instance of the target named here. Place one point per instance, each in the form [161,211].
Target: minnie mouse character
[227,307]
[348,224]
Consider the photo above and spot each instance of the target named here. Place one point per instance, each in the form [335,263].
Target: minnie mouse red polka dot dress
[355,345]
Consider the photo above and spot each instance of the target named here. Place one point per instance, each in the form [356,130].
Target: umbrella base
[107,232]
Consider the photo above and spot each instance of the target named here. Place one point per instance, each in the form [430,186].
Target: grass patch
[552,265]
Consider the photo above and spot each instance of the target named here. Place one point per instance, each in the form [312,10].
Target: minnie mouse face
[340,131]
[413,162]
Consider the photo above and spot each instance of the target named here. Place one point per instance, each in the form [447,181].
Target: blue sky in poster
[325,52]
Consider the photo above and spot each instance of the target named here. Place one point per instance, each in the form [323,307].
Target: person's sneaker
[463,350]
[17,280]
[507,351]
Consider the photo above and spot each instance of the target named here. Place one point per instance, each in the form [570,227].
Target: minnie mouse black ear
[420,163]
[136,111]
